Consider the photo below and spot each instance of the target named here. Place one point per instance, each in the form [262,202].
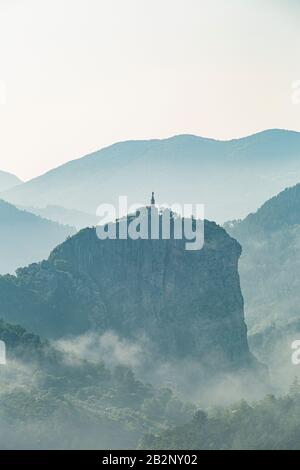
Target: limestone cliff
[188,304]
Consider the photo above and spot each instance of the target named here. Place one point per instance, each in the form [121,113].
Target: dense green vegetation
[270,264]
[270,280]
[50,399]
[272,423]
[53,400]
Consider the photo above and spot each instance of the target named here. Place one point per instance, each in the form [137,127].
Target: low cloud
[108,348]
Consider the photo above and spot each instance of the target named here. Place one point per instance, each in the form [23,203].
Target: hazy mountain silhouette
[7,180]
[64,216]
[26,238]
[232,178]
[270,263]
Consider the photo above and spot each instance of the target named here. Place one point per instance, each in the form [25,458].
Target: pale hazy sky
[82,74]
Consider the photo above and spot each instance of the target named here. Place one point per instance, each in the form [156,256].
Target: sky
[78,75]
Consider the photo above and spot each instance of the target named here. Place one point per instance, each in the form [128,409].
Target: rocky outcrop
[187,304]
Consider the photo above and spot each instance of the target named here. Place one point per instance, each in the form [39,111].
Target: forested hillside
[271,424]
[88,404]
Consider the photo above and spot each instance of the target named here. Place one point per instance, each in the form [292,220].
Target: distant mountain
[26,238]
[177,304]
[64,216]
[270,263]
[232,178]
[7,180]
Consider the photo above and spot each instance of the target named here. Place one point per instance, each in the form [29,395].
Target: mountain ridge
[8,180]
[25,237]
[183,168]
[166,139]
[269,263]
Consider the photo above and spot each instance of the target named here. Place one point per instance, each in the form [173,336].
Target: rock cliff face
[188,304]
